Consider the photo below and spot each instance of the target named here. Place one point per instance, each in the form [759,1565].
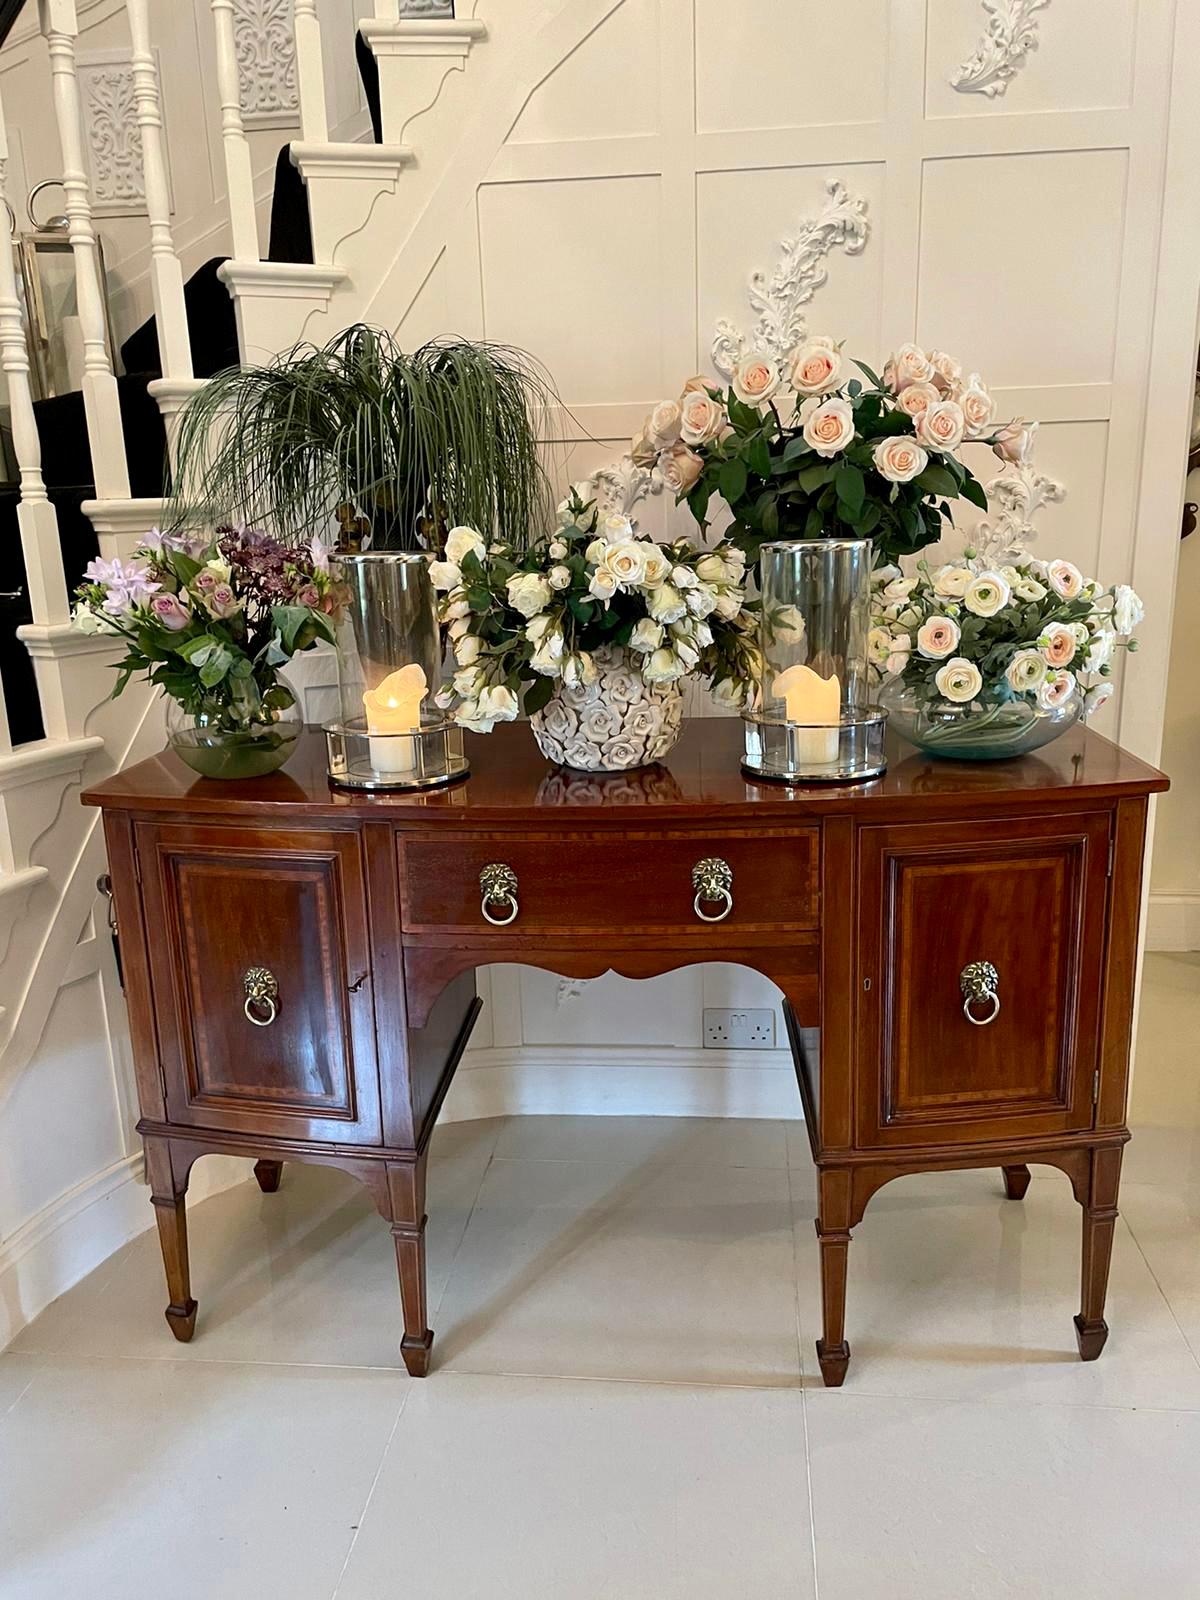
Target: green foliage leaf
[851,488]
[733,480]
[936,480]
[812,478]
[972,490]
[538,694]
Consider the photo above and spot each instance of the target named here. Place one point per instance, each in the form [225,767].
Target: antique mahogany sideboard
[299,961]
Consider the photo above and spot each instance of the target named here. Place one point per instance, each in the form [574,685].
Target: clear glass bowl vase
[975,732]
[246,739]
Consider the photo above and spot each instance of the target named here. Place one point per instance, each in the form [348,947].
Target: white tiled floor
[624,1401]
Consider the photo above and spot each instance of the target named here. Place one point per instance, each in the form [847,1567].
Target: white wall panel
[1083,59]
[1020,263]
[763,65]
[613,1009]
[607,87]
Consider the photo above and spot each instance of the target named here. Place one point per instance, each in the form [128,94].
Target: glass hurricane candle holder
[390,732]
[812,719]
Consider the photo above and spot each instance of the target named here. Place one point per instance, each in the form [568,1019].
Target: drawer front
[591,884]
[1028,897]
[296,1058]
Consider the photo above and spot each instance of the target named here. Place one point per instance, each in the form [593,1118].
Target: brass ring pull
[262,991]
[498,886]
[712,880]
[980,982]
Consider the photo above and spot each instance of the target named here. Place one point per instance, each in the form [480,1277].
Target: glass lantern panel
[390,654]
[813,626]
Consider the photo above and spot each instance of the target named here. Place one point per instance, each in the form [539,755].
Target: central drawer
[593,883]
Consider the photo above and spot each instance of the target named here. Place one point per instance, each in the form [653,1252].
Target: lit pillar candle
[394,707]
[816,703]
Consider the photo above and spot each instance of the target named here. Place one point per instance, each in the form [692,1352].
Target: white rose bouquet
[1002,642]
[809,447]
[519,621]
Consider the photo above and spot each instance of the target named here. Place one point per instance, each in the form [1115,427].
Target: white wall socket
[739,1030]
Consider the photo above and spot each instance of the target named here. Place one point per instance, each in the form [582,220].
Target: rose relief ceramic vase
[611,725]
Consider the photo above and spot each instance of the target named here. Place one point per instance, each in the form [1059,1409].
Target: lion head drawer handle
[979,982]
[498,885]
[712,880]
[262,991]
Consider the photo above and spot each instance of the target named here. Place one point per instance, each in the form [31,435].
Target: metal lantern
[45,263]
[813,720]
[390,733]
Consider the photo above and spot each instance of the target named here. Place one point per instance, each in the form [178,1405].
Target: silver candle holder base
[427,759]
[794,752]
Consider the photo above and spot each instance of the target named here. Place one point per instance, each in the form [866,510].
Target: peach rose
[908,364]
[701,383]
[1014,441]
[917,397]
[643,451]
[680,469]
[815,367]
[978,407]
[828,425]
[900,458]
[941,426]
[702,417]
[755,380]
[947,372]
[662,425]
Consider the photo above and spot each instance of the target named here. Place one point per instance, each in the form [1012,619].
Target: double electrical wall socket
[738,1030]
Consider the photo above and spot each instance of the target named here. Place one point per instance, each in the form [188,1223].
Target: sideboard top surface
[511,781]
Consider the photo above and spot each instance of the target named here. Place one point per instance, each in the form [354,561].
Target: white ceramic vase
[611,725]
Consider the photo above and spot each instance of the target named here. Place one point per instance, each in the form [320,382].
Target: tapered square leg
[1016,1182]
[833,1232]
[168,1188]
[268,1174]
[406,1188]
[1099,1225]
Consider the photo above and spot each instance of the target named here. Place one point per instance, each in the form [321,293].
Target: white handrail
[310,72]
[166,274]
[36,517]
[101,401]
[239,174]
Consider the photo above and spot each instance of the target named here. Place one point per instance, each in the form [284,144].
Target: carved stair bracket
[800,272]
[1012,32]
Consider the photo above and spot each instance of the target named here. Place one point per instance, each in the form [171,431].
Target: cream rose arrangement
[1032,634]
[817,444]
[519,622]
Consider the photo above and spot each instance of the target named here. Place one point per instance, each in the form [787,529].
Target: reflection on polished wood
[864,903]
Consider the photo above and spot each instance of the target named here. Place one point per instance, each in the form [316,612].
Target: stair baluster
[102,405]
[239,175]
[310,73]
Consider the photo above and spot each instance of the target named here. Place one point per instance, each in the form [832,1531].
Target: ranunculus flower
[986,594]
[680,468]
[937,637]
[899,458]
[444,575]
[702,417]
[528,593]
[1058,644]
[978,407]
[879,646]
[908,364]
[1096,697]
[900,654]
[1025,671]
[951,582]
[461,542]
[1100,649]
[1027,588]
[1054,689]
[917,397]
[663,424]
[815,367]
[755,380]
[1065,579]
[646,637]
[959,680]
[828,425]
[169,613]
[1014,441]
[941,426]
[1128,610]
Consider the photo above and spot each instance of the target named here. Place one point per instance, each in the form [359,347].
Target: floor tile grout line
[362,1516]
[1166,1298]
[474,1206]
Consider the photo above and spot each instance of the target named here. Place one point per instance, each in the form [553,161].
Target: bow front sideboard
[299,962]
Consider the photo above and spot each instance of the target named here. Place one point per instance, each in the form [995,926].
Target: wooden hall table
[299,961]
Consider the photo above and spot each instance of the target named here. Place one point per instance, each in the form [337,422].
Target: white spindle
[239,177]
[36,517]
[166,275]
[310,73]
[102,406]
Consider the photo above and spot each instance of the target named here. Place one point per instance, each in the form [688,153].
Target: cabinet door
[223,901]
[1028,896]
